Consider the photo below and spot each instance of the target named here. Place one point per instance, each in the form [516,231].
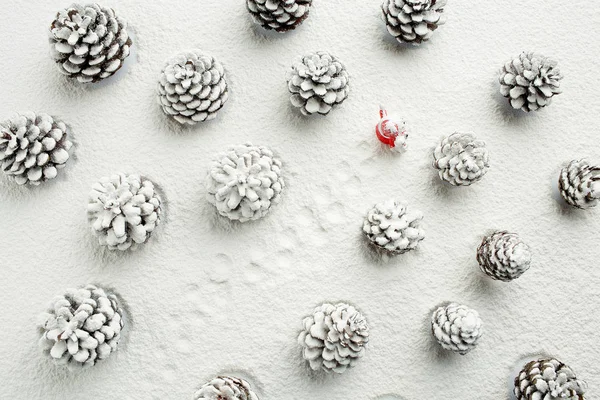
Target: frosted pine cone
[548,379]
[530,81]
[457,327]
[461,159]
[504,256]
[33,147]
[81,327]
[245,182]
[226,388]
[318,82]
[334,337]
[279,15]
[413,21]
[89,42]
[579,184]
[124,210]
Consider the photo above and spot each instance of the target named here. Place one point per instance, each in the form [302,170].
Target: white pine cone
[504,256]
[245,182]
[318,82]
[413,21]
[123,211]
[279,15]
[226,388]
[334,337]
[89,42]
[81,327]
[530,81]
[456,327]
[192,87]
[579,184]
[461,159]
[33,147]
[393,227]
[548,379]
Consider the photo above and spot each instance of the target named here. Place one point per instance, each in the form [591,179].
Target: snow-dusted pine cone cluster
[504,256]
[192,87]
[318,82]
[123,211]
[530,81]
[334,337]
[279,15]
[89,42]
[548,379]
[81,327]
[413,21]
[33,147]
[461,159]
[226,388]
[457,327]
[579,184]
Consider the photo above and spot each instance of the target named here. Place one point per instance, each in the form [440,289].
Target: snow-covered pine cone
[226,388]
[456,327]
[579,184]
[245,182]
[89,42]
[461,159]
[318,82]
[123,211]
[33,147]
[279,15]
[504,256]
[81,327]
[393,227]
[413,21]
[548,379]
[530,81]
[192,87]
[334,337]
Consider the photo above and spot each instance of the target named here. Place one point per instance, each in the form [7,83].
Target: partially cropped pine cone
[89,42]
[279,15]
[33,147]
[504,256]
[579,184]
[226,388]
[124,210]
[192,87]
[334,337]
[548,379]
[457,327]
[461,159]
[413,21]
[318,82]
[81,327]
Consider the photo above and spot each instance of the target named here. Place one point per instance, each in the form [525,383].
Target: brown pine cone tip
[548,379]
[279,15]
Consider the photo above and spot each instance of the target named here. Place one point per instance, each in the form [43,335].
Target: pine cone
[530,81]
[33,147]
[123,211]
[226,388]
[245,182]
[457,327]
[89,42]
[192,87]
[579,184]
[318,82]
[81,327]
[461,159]
[413,21]
[279,15]
[392,227]
[334,337]
[504,256]
[548,379]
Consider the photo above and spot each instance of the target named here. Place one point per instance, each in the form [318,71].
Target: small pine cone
[124,210]
[504,256]
[461,159]
[530,81]
[192,87]
[318,82]
[279,15]
[394,228]
[226,388]
[81,327]
[334,337]
[548,379]
[33,147]
[413,21]
[245,182]
[89,42]
[579,184]
[457,327]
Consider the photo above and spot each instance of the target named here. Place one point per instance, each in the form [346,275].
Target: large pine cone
[457,327]
[226,388]
[81,327]
[123,211]
[89,42]
[461,159]
[548,379]
[279,15]
[579,184]
[413,21]
[504,256]
[334,337]
[318,82]
[33,147]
